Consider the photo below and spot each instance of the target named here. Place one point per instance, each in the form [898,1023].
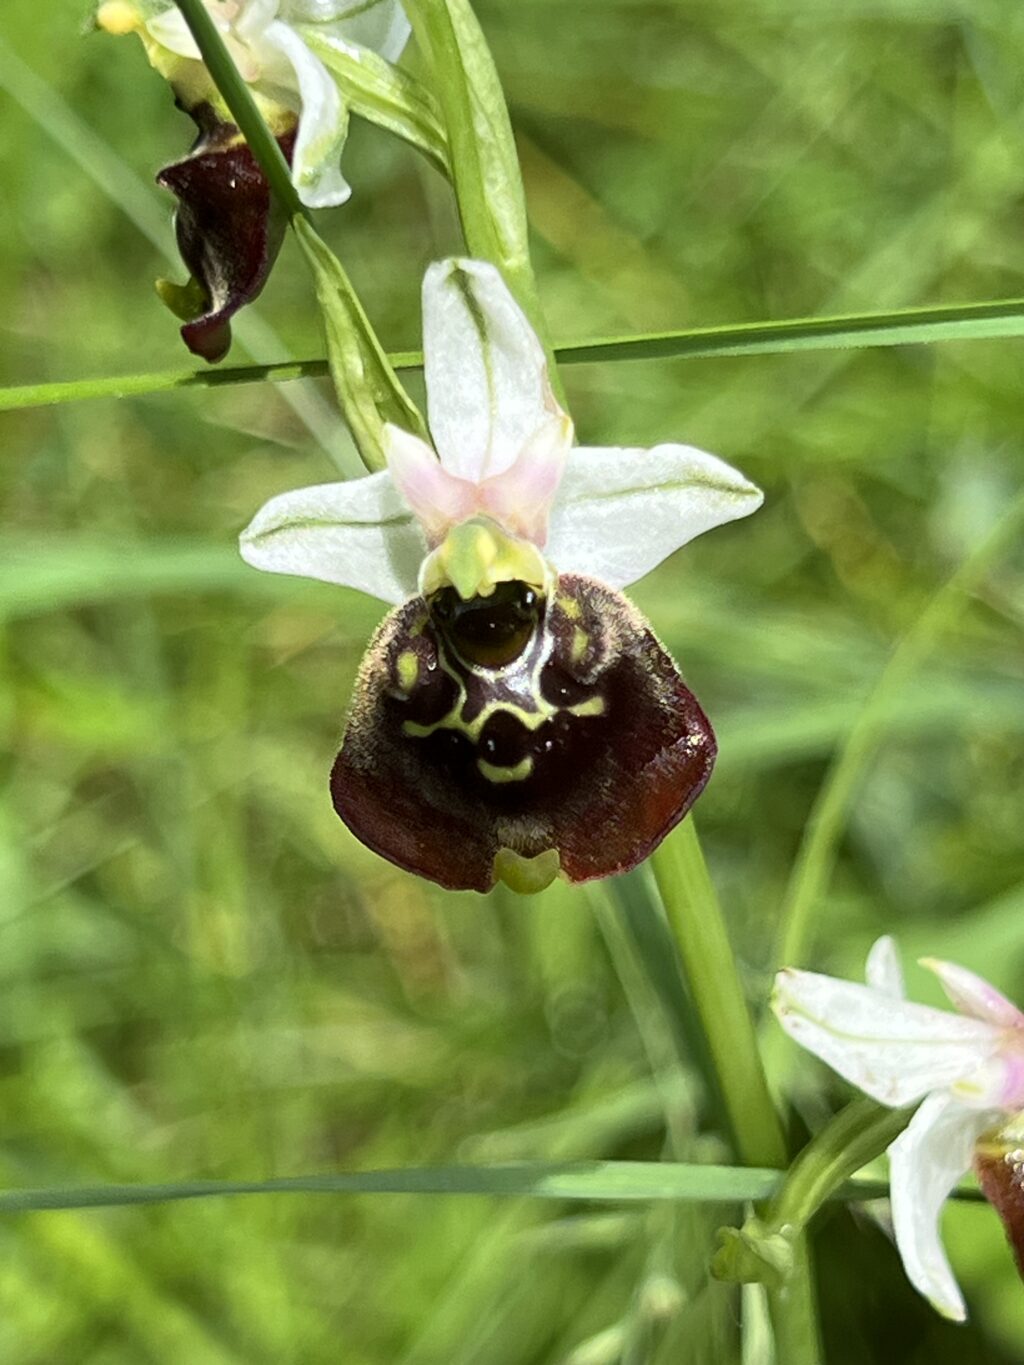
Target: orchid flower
[967,1069]
[268,41]
[227,231]
[514,716]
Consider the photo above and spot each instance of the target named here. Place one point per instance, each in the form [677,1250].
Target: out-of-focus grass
[202,974]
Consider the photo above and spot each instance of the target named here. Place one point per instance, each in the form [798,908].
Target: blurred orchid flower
[267,40]
[512,718]
[228,231]
[967,1068]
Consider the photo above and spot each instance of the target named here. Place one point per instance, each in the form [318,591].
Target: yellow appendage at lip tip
[527,875]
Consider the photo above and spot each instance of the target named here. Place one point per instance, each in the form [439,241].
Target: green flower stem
[816,857]
[853,1137]
[242,106]
[762,1249]
[698,925]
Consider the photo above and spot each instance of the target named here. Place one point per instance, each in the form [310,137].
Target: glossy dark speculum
[228,229]
[514,722]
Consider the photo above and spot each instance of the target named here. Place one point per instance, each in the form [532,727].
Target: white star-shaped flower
[503,451]
[966,1068]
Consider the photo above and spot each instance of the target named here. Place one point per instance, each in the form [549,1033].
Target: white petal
[893,1050]
[926,1161]
[380,25]
[323,122]
[170,30]
[973,995]
[620,512]
[487,380]
[254,18]
[359,534]
[884,972]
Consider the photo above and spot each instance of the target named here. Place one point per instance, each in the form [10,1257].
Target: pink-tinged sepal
[228,231]
[973,995]
[518,730]
[999,1165]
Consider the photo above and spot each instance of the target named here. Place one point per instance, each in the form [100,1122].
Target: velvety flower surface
[228,230]
[967,1069]
[515,716]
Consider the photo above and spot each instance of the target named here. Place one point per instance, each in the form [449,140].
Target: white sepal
[323,122]
[487,380]
[358,534]
[926,1161]
[620,512]
[884,971]
[168,28]
[893,1050]
[381,26]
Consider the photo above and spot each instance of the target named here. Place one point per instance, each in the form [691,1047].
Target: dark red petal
[999,1163]
[602,747]
[229,231]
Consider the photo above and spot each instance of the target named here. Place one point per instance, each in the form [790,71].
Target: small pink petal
[973,995]
[1012,1095]
[438,499]
[520,498]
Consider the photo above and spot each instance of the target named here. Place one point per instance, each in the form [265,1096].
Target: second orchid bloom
[967,1069]
[514,716]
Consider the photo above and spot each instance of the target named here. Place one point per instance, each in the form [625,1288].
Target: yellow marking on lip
[530,720]
[493,773]
[593,706]
[580,640]
[408,670]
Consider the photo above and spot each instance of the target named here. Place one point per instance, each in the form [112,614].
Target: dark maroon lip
[228,230]
[588,742]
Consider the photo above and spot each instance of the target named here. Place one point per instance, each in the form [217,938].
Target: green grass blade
[904,327]
[583,1180]
[815,859]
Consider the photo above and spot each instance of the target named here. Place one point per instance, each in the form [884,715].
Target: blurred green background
[201,972]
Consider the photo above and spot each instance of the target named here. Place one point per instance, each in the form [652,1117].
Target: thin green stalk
[587,1181]
[762,1250]
[918,326]
[702,938]
[698,926]
[815,860]
[239,100]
